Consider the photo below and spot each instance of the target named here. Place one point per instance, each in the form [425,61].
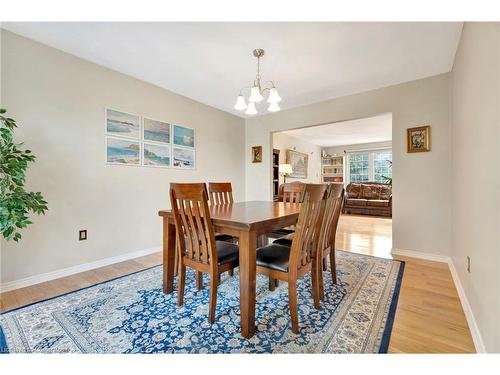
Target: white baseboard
[474,329]
[36,279]
[421,255]
[469,315]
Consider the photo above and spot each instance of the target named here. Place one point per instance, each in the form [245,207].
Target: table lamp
[285,170]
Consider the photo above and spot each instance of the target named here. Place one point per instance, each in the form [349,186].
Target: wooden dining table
[248,221]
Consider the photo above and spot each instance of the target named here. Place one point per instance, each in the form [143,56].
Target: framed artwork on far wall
[257,154]
[123,151]
[156,131]
[122,124]
[183,136]
[156,155]
[419,139]
[298,161]
[183,158]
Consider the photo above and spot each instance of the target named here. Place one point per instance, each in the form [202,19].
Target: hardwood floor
[429,318]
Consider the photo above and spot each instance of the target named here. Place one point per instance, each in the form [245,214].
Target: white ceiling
[366,130]
[210,62]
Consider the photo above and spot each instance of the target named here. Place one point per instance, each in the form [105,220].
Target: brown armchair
[368,198]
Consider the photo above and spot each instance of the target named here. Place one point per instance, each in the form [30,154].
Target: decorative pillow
[370,191]
[353,190]
[385,192]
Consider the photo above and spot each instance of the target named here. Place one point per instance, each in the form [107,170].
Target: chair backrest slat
[220,193]
[293,192]
[193,225]
[304,241]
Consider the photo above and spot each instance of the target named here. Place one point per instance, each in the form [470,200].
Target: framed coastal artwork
[183,158]
[298,161]
[183,136]
[123,151]
[419,139]
[156,131]
[156,155]
[122,124]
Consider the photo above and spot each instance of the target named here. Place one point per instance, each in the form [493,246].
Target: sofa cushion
[370,191]
[353,190]
[385,192]
[356,202]
[377,203]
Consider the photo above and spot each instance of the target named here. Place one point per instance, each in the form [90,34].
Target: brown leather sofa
[368,198]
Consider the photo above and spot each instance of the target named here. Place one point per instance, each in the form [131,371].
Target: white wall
[339,150]
[476,174]
[282,142]
[421,191]
[58,101]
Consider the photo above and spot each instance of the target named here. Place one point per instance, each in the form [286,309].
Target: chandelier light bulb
[240,103]
[273,107]
[255,95]
[251,110]
[273,96]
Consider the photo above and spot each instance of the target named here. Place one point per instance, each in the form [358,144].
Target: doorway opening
[355,153]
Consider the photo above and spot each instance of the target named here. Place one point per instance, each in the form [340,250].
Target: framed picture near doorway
[419,139]
[298,161]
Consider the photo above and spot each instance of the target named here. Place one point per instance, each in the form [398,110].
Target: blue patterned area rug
[131,314]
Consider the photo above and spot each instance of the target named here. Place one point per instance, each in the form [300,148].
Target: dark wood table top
[251,215]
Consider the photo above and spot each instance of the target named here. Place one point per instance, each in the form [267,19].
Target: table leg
[168,255]
[248,247]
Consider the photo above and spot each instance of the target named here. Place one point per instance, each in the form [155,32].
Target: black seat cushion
[280,233]
[227,252]
[285,241]
[273,256]
[224,237]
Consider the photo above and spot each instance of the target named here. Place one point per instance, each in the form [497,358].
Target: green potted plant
[16,204]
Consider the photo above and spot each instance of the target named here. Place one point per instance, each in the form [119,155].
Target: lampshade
[273,96]
[251,110]
[273,107]
[240,103]
[255,95]
[285,169]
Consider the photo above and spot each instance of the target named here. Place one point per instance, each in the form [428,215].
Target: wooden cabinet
[276,174]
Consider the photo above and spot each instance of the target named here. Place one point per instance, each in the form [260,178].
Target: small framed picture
[183,158]
[184,136]
[257,154]
[156,131]
[156,155]
[122,124]
[123,151]
[419,139]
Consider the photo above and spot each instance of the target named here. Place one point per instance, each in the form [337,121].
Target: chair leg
[292,302]
[182,282]
[325,266]
[176,264]
[213,298]
[315,280]
[231,272]
[321,284]
[272,283]
[199,280]
[333,266]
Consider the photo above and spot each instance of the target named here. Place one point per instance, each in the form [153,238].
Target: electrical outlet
[82,235]
[468,263]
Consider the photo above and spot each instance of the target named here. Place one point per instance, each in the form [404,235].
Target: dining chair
[220,192]
[334,199]
[293,192]
[290,263]
[327,234]
[197,246]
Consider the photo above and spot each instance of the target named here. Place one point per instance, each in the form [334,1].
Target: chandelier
[257,92]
